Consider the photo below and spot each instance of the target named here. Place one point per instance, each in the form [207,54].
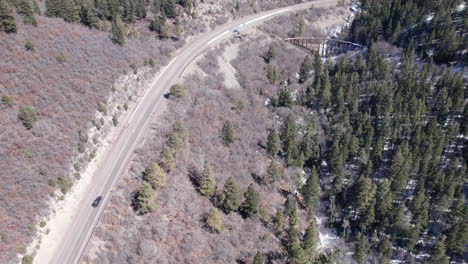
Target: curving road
[71,244]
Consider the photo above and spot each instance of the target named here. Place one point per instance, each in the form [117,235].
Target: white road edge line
[149,89]
[217,37]
[266,16]
[106,198]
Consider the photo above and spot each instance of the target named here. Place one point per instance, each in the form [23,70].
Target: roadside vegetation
[61,61]
[373,140]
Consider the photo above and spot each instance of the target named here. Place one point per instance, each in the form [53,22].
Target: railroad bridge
[325,46]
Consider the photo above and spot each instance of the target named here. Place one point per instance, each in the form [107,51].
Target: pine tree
[168,161]
[310,145]
[271,54]
[368,215]
[207,184]
[28,116]
[288,133]
[53,8]
[385,251]
[365,192]
[231,196]
[156,7]
[438,255]
[304,70]
[317,66]
[250,207]
[141,9]
[384,200]
[272,74]
[7,19]
[309,242]
[456,239]
[177,135]
[399,171]
[178,28]
[325,90]
[285,98]
[259,258]
[361,249]
[114,7]
[118,31]
[25,8]
[293,214]
[397,219]
[288,205]
[273,142]
[29,45]
[311,190]
[296,254]
[157,24]
[214,220]
[273,171]
[102,9]
[300,27]
[88,14]
[36,8]
[420,207]
[66,9]
[165,30]
[170,8]
[227,133]
[278,222]
[155,175]
[146,198]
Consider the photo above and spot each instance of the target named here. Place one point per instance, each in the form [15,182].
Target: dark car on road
[97,201]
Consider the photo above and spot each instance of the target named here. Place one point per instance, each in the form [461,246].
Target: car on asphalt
[97,201]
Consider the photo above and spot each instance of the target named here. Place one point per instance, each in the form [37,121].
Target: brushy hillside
[178,229]
[65,96]
[54,77]
[375,140]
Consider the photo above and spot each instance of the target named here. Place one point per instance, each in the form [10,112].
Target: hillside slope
[63,77]
[372,142]
[176,231]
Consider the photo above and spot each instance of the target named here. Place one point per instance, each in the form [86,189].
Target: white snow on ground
[461,7]
[430,17]
[327,238]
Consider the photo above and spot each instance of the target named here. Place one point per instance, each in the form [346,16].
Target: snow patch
[430,17]
[327,237]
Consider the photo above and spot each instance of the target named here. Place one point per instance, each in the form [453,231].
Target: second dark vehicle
[97,201]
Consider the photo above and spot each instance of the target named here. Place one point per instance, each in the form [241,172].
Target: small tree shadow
[259,179]
[194,176]
[134,205]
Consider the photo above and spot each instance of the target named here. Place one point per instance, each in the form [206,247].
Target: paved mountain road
[69,247]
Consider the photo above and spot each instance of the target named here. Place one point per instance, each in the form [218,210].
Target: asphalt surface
[73,242]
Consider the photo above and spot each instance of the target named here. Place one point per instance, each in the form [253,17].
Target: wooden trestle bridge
[325,46]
